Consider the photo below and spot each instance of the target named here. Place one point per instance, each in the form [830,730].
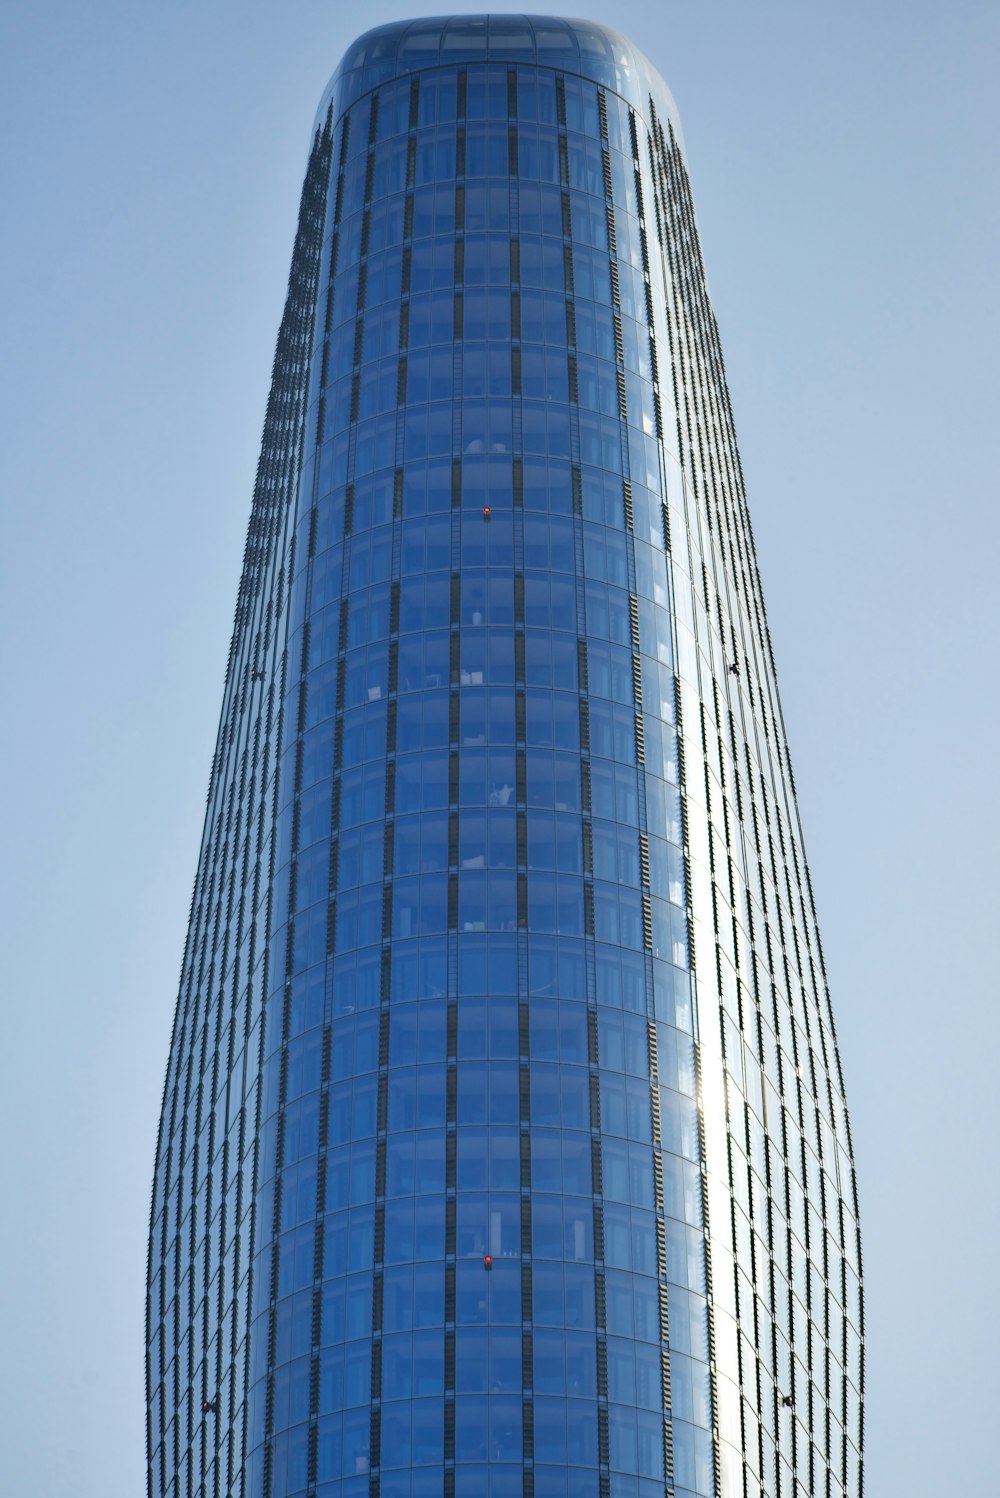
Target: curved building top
[583,47]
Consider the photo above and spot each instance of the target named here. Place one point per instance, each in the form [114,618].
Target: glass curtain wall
[504,1149]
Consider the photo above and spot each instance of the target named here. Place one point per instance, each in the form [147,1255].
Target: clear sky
[844,161]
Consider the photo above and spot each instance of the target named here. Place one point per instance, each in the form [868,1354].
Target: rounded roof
[583,47]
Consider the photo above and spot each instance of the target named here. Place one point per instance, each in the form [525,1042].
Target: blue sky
[844,162]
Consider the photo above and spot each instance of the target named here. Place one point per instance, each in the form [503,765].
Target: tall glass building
[504,1148]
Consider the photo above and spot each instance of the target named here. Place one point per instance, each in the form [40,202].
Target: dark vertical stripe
[590,954]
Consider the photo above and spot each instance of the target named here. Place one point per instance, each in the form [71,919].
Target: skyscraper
[504,1148]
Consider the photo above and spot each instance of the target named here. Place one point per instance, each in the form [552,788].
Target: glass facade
[504,1148]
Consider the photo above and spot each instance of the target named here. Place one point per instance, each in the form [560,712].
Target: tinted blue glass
[500,759]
